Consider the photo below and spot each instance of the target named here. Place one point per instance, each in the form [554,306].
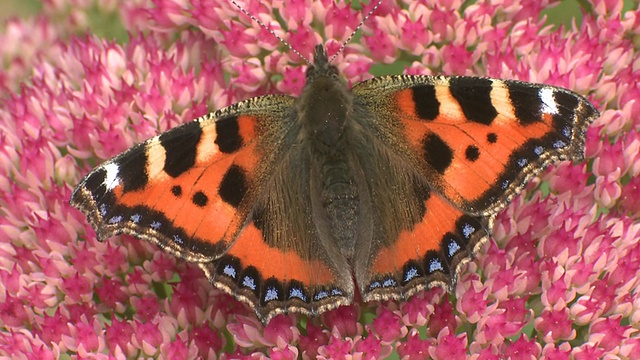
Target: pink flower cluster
[559,280]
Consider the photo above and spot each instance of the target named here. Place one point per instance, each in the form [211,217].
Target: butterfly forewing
[478,140]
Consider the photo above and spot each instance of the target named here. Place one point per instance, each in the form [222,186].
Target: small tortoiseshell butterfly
[294,204]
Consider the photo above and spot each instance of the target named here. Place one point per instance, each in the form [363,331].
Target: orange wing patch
[481,139]
[252,250]
[179,190]
[427,254]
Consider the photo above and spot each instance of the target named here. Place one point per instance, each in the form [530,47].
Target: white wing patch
[111,179]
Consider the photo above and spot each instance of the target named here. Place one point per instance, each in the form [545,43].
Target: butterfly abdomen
[336,197]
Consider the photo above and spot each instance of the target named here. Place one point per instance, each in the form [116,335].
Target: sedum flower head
[558,280]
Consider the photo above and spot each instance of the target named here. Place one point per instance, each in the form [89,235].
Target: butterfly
[296,204]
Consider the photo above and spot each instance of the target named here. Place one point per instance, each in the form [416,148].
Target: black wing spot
[200,199]
[181,148]
[234,186]
[437,153]
[474,96]
[526,102]
[228,136]
[132,169]
[492,138]
[426,102]
[472,153]
[176,190]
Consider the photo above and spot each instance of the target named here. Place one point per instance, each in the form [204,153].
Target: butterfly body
[291,204]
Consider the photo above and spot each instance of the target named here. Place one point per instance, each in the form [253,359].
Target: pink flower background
[559,280]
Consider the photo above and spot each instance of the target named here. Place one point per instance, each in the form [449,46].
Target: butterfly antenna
[269,29]
[353,33]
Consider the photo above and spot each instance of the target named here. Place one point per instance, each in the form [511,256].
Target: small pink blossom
[449,346]
[77,288]
[630,197]
[555,325]
[293,82]
[247,332]
[146,307]
[587,351]
[523,348]
[553,352]
[495,328]
[343,321]
[207,339]
[86,338]
[414,347]
[418,308]
[340,21]
[287,353]
[381,46]
[556,292]
[388,326]
[442,317]
[314,338]
[13,313]
[148,337]
[595,303]
[474,302]
[609,333]
[112,295]
[281,331]
[415,34]
[177,349]
[372,347]
[336,348]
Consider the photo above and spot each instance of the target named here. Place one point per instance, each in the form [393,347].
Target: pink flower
[281,331]
[418,308]
[587,351]
[13,312]
[340,21]
[207,339]
[147,337]
[343,321]
[381,46]
[609,333]
[314,338]
[414,347]
[630,197]
[177,350]
[442,317]
[387,326]
[551,352]
[112,295]
[449,346]
[523,348]
[372,348]
[288,353]
[247,332]
[595,303]
[146,307]
[474,303]
[336,348]
[555,325]
[119,335]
